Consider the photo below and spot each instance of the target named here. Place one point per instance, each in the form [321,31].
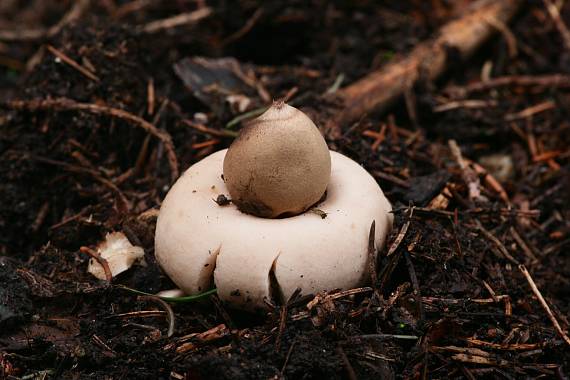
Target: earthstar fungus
[279,167]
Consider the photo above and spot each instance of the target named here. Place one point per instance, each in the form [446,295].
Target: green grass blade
[171,299]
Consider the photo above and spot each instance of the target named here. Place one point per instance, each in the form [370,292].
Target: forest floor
[102,104]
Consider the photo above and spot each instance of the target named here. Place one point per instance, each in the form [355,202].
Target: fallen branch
[376,91]
[65,104]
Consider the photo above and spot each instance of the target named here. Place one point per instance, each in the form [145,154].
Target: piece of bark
[379,89]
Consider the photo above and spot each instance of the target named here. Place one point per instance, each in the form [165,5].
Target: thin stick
[138,314]
[282,323]
[167,308]
[470,178]
[59,54]
[151,97]
[415,284]
[552,80]
[490,181]
[131,7]
[178,20]
[507,34]
[210,131]
[542,301]
[379,89]
[530,111]
[65,104]
[402,233]
[386,336]
[79,7]
[40,217]
[289,352]
[102,261]
[122,202]
[500,246]
[245,28]
[558,22]
[349,370]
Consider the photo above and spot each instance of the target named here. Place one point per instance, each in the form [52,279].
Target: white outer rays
[119,253]
[194,235]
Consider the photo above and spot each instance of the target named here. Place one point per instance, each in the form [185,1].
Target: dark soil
[449,301]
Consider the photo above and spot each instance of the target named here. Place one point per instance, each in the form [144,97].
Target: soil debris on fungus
[459,110]
[222,200]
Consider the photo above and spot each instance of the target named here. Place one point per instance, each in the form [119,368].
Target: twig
[379,137]
[469,176]
[530,111]
[131,7]
[178,20]
[542,301]
[506,347]
[376,91]
[138,314]
[320,297]
[349,370]
[151,97]
[391,178]
[65,104]
[500,246]
[245,28]
[282,323]
[71,218]
[223,313]
[336,85]
[79,7]
[552,80]
[348,292]
[467,103]
[167,308]
[40,217]
[205,144]
[490,181]
[73,63]
[103,262]
[99,342]
[386,336]
[507,34]
[210,131]
[289,352]
[402,233]
[122,202]
[194,340]
[555,15]
[415,284]
[523,245]
[393,259]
